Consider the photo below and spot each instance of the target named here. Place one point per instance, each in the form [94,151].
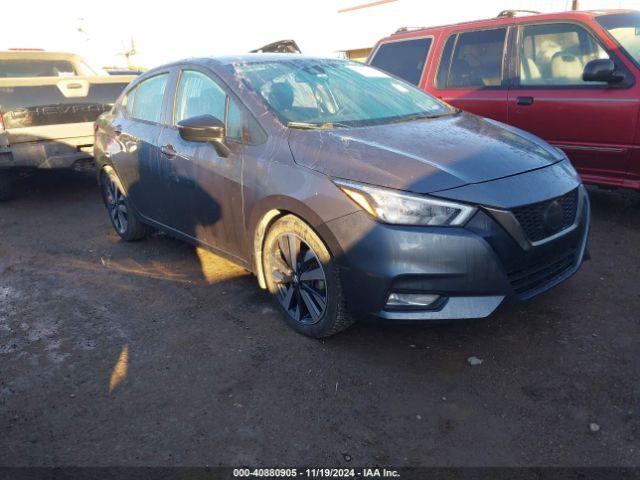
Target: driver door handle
[168,150]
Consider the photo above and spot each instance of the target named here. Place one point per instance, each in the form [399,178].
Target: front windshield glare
[336,93]
[625,28]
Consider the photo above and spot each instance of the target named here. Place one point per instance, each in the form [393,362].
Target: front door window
[555,54]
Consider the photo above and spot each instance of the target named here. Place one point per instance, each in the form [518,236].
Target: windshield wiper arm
[302,125]
[422,116]
[315,126]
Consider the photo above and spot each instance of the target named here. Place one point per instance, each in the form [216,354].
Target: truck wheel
[123,218]
[304,279]
[6,187]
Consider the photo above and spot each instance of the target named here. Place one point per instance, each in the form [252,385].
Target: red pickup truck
[571,78]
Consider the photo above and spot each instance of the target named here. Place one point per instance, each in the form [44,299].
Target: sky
[167,31]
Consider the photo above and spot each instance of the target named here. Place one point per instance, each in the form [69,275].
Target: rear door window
[476,60]
[404,59]
[149,95]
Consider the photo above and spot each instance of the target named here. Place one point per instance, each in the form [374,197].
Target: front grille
[534,219]
[541,273]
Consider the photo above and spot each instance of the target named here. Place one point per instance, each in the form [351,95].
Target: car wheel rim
[116,206]
[300,279]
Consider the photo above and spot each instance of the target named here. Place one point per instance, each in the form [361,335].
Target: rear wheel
[303,278]
[122,216]
[6,187]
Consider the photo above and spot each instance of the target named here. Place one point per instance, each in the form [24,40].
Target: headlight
[399,208]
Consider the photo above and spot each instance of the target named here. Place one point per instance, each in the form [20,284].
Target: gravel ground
[156,353]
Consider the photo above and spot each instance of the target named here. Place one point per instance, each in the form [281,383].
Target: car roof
[502,20]
[265,57]
[245,58]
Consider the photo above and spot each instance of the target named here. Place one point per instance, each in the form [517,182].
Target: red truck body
[527,71]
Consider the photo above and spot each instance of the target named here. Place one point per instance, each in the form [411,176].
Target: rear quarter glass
[403,58]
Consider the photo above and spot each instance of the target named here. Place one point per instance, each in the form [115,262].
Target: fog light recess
[412,300]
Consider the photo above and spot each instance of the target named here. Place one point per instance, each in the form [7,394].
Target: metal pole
[574,5]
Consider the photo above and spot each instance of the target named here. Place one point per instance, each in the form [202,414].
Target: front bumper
[474,268]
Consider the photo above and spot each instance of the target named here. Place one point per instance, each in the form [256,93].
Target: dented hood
[423,156]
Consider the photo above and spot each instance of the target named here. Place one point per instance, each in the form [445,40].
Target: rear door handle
[168,150]
[524,101]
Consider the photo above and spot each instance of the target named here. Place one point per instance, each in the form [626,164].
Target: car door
[593,122]
[472,71]
[139,163]
[207,186]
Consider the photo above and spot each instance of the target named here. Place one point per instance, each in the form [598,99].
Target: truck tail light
[1,122]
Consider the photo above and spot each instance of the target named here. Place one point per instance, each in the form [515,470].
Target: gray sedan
[345,190]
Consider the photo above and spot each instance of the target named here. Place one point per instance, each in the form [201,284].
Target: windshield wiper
[315,126]
[422,116]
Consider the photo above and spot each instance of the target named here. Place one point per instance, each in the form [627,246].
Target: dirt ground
[155,353]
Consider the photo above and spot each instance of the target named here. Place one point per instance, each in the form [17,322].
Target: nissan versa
[345,190]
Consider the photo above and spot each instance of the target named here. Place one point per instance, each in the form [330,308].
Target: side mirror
[602,70]
[205,129]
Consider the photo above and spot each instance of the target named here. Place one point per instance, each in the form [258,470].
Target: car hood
[423,156]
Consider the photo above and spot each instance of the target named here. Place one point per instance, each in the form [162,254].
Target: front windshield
[336,93]
[625,28]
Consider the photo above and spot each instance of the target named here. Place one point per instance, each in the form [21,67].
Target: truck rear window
[404,59]
[36,68]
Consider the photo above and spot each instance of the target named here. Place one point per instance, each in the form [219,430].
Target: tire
[6,187]
[123,218]
[299,287]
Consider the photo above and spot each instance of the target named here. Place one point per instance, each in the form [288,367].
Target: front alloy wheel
[302,285]
[303,278]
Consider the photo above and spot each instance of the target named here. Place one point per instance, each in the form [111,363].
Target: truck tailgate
[55,107]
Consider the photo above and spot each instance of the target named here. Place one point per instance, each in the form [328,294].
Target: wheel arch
[276,207]
[109,169]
